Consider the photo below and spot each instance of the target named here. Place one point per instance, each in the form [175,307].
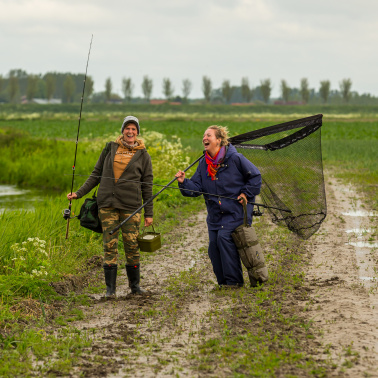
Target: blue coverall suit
[236,175]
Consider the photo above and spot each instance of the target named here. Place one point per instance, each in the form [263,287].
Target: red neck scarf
[213,163]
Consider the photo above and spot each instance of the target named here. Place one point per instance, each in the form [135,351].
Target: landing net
[289,158]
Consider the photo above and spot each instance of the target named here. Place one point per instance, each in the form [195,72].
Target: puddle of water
[191,265]
[362,244]
[358,219]
[358,231]
[347,190]
[360,213]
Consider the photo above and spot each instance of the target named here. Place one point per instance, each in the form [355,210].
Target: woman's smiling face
[130,133]
[211,142]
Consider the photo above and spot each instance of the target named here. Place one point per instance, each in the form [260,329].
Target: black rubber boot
[110,271]
[133,274]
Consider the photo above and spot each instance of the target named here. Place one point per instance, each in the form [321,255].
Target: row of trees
[261,92]
[68,87]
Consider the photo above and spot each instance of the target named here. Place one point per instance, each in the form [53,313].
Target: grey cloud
[220,38]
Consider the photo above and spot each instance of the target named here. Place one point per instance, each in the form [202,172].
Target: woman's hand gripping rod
[151,199]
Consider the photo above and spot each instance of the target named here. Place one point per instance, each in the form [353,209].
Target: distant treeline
[20,87]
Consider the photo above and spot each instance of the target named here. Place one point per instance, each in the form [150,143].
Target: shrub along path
[313,318]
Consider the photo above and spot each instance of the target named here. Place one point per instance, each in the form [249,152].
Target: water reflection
[13,198]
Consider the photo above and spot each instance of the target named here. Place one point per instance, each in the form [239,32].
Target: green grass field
[37,151]
[349,137]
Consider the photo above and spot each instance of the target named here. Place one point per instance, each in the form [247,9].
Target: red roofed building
[157,102]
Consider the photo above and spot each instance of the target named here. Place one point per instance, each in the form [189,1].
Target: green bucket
[149,241]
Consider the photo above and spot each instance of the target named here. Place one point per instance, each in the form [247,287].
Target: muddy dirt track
[158,334]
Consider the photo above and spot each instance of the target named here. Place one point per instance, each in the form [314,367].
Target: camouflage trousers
[110,218]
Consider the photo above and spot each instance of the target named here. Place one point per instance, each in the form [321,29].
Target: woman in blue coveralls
[224,172]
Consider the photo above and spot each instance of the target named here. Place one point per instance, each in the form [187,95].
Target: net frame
[303,220]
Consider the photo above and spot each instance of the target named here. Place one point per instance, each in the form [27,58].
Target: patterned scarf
[213,164]
[130,146]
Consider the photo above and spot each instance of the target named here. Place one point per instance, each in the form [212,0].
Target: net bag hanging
[289,158]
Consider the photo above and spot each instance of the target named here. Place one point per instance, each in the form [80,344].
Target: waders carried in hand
[250,251]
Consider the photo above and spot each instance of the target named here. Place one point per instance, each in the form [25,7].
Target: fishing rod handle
[67,228]
[68,219]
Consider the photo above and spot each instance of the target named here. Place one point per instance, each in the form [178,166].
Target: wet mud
[161,333]
[344,304]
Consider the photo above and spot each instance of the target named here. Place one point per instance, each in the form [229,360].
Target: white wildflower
[15,245]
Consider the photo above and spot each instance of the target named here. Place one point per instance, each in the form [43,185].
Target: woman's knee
[133,257]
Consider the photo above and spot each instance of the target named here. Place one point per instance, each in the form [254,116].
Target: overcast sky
[178,39]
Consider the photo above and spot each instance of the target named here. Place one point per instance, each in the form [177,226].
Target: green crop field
[349,136]
[37,149]
[37,146]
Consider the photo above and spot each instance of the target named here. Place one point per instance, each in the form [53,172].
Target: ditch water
[13,198]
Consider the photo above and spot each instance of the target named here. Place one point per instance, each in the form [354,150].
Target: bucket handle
[153,228]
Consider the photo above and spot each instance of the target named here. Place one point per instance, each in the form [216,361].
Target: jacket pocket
[213,211]
[128,194]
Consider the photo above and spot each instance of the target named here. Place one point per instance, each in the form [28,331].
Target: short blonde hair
[221,132]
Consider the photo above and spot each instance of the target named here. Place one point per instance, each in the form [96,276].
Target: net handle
[245,220]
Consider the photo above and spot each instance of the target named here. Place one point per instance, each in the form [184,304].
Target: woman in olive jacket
[124,172]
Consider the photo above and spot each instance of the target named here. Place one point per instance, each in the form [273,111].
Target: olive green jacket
[133,188]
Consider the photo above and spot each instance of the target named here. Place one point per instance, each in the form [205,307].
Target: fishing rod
[67,212]
[257,213]
[152,198]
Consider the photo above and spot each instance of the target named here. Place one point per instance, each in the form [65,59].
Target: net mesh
[289,158]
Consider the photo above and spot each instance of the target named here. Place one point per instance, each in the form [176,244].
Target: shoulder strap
[107,150]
